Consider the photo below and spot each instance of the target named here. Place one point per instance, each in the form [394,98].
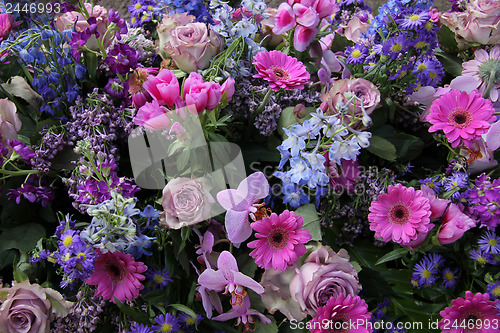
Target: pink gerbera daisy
[400,214]
[463,117]
[486,67]
[117,275]
[280,240]
[470,315]
[281,70]
[342,314]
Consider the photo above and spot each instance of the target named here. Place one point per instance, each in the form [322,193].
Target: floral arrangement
[224,166]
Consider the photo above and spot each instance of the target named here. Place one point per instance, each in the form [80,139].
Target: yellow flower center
[138,5]
[428,25]
[414,17]
[144,17]
[158,279]
[402,74]
[449,276]
[414,283]
[133,19]
[150,8]
[396,47]
[356,54]
[432,75]
[81,256]
[68,240]
[190,321]
[426,273]
[422,67]
[166,328]
[420,45]
[492,242]
[496,291]
[481,260]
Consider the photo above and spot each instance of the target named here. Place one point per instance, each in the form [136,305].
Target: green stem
[261,106]
[491,83]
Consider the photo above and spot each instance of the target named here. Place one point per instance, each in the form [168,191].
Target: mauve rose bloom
[363,89]
[479,23]
[323,275]
[454,224]
[185,202]
[168,23]
[67,21]
[27,308]
[10,123]
[190,44]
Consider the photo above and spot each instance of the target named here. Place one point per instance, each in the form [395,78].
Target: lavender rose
[190,44]
[323,275]
[185,202]
[30,308]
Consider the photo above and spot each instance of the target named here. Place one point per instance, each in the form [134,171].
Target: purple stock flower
[122,58]
[116,89]
[240,203]
[20,148]
[25,190]
[485,198]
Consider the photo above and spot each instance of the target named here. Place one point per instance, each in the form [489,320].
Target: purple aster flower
[433,183]
[436,259]
[457,181]
[140,328]
[36,257]
[166,323]
[188,321]
[116,89]
[425,272]
[356,55]
[481,257]
[122,58]
[490,243]
[413,20]
[160,278]
[396,45]
[429,71]
[449,277]
[494,290]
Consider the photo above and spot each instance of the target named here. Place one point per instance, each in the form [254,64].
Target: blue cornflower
[413,20]
[167,323]
[140,328]
[480,256]
[294,195]
[449,277]
[356,55]
[425,272]
[300,171]
[489,242]
[396,45]
[433,183]
[160,278]
[293,142]
[494,290]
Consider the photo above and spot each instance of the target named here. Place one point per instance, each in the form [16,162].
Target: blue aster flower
[494,290]
[167,323]
[490,243]
[160,278]
[356,55]
[141,328]
[395,46]
[449,277]
[413,20]
[425,272]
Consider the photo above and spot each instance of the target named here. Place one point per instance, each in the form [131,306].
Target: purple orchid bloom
[244,314]
[228,278]
[239,204]
[493,136]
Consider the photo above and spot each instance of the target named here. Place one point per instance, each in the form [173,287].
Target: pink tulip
[228,86]
[164,87]
[455,224]
[153,116]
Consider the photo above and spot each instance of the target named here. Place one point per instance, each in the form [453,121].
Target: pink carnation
[280,240]
[400,214]
[461,116]
[281,70]
[117,275]
[470,314]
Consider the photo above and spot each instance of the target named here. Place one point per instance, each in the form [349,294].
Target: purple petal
[213,280]
[232,199]
[493,136]
[227,265]
[227,316]
[254,187]
[243,280]
[237,226]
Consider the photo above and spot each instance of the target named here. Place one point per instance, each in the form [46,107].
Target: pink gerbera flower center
[460,118]
[278,239]
[280,73]
[115,272]
[473,320]
[337,323]
[399,214]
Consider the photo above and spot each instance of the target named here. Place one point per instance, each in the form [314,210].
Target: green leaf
[408,146]
[311,220]
[23,237]
[138,316]
[383,148]
[91,63]
[186,310]
[19,275]
[266,328]
[395,254]
[451,63]
[185,233]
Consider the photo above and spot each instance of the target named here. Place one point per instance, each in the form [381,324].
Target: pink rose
[30,308]
[10,123]
[67,21]
[361,88]
[168,23]
[479,23]
[164,87]
[153,116]
[190,44]
[454,224]
[185,202]
[325,274]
